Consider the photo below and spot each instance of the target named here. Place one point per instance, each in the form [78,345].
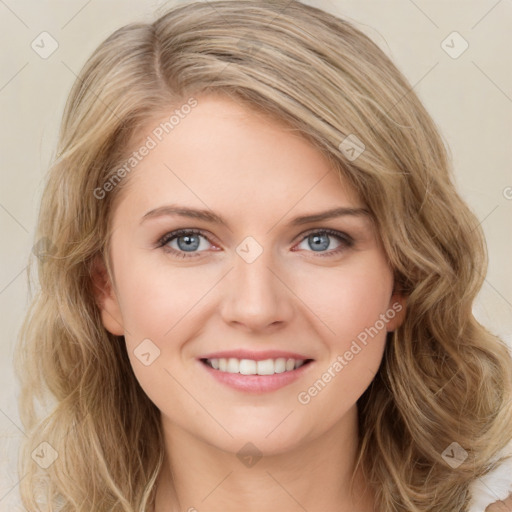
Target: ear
[106,298]
[397,304]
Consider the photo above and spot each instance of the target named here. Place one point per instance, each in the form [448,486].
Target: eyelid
[333,232]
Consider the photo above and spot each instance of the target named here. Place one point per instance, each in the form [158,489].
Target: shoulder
[500,506]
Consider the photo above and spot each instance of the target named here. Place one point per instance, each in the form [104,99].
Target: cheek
[349,299]
[353,305]
[156,297]
[166,306]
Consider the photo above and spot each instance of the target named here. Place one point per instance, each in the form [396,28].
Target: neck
[314,475]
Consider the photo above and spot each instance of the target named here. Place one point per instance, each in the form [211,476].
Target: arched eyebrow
[214,218]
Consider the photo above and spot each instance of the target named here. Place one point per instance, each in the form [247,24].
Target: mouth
[264,367]
[255,371]
[255,376]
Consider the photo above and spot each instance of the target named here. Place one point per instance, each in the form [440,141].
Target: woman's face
[261,287]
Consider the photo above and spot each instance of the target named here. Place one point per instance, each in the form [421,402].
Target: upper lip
[256,356]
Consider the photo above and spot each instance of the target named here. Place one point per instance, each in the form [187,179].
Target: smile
[251,376]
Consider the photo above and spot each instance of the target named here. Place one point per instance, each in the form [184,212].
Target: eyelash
[347,241]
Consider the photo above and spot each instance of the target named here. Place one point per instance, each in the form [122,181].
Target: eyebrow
[210,216]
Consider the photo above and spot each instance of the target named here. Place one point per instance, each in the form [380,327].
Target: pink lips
[256,383]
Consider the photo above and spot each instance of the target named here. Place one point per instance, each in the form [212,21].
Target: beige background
[470,97]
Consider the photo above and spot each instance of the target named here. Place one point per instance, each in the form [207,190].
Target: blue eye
[188,242]
[319,241]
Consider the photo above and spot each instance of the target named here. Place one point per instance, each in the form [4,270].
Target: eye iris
[319,242]
[191,242]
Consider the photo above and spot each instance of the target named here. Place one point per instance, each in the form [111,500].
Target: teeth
[251,367]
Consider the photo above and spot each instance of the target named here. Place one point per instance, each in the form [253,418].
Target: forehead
[225,155]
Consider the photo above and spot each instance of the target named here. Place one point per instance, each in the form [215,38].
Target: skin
[259,176]
[501,506]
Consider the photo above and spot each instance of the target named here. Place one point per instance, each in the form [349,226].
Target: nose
[256,295]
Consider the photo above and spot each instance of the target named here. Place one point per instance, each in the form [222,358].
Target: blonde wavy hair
[444,378]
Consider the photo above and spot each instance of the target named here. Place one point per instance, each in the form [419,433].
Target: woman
[256,282]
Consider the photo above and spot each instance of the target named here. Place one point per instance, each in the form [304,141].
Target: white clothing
[495,486]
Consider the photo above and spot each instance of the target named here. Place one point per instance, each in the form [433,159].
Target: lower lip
[257,383]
